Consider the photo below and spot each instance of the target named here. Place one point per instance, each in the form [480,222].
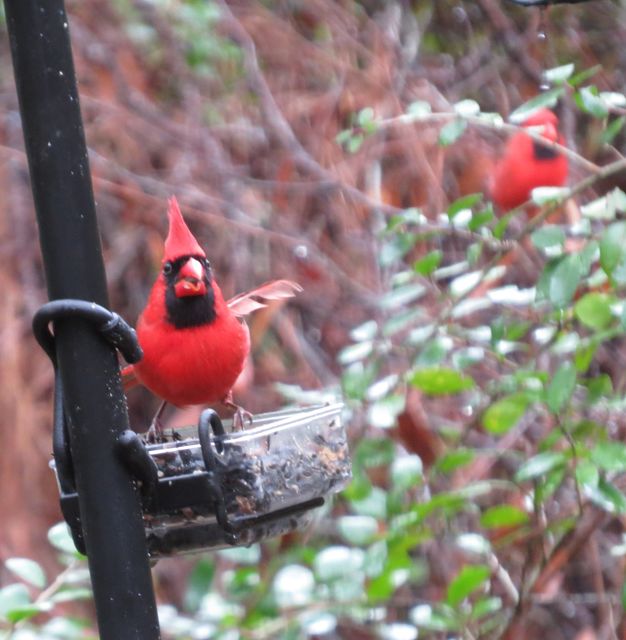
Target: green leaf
[467,108]
[332,563]
[584,355]
[439,381]
[505,413]
[466,202]
[468,356]
[382,387]
[504,515]
[540,464]
[199,583]
[547,485]
[73,594]
[343,136]
[610,456]
[395,248]
[357,530]
[548,195]
[612,247]
[435,618]
[60,538]
[419,108]
[598,388]
[365,331]
[454,459]
[355,352]
[292,586]
[359,488]
[382,587]
[588,255]
[27,611]
[365,116]
[473,543]
[28,570]
[401,296]
[426,265]
[374,504]
[589,101]
[355,142]
[545,99]
[407,472]
[606,207]
[486,607]
[502,225]
[433,353]
[614,127]
[613,99]
[584,75]
[452,131]
[587,474]
[548,237]
[374,452]
[356,380]
[473,252]
[13,597]
[481,218]
[561,387]
[63,628]
[599,209]
[594,310]
[468,580]
[607,496]
[403,320]
[559,75]
[383,413]
[560,279]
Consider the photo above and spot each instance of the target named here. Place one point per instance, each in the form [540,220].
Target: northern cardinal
[195,343]
[527,164]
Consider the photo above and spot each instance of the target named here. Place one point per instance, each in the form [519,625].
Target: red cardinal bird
[194,342]
[527,164]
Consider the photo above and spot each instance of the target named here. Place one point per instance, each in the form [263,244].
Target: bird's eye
[167,268]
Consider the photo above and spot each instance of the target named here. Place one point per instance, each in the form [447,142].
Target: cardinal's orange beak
[190,280]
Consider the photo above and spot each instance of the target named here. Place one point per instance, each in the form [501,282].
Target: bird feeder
[204,487]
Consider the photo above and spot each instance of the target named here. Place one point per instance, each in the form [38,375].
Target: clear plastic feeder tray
[287,460]
[244,486]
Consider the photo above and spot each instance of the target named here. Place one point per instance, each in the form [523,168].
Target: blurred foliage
[481,356]
[34,594]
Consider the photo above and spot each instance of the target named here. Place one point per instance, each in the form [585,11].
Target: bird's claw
[240,417]
[154,434]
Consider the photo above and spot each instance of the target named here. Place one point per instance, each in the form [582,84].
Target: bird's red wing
[245,303]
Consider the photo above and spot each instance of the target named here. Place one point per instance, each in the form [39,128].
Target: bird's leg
[155,432]
[241,415]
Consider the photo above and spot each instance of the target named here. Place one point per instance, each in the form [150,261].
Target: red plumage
[198,363]
[180,241]
[194,365]
[526,165]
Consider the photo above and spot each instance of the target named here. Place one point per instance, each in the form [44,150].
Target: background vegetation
[348,145]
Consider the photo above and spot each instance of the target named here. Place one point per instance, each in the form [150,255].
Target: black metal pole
[70,243]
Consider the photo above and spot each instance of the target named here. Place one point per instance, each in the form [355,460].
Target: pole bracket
[113,328]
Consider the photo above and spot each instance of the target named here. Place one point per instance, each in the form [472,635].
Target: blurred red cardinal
[195,344]
[527,164]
